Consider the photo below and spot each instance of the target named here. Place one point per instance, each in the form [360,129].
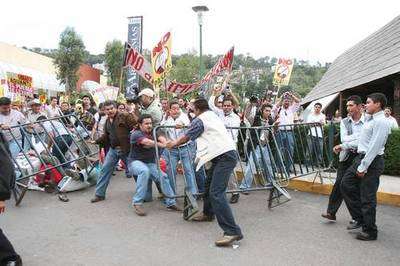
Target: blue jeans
[215,201]
[257,161]
[285,140]
[63,142]
[15,147]
[172,158]
[200,175]
[145,172]
[110,162]
[316,147]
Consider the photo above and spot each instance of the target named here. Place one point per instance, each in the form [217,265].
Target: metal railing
[269,157]
[62,139]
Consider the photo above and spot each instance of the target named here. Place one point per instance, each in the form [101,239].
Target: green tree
[69,57]
[114,54]
[186,69]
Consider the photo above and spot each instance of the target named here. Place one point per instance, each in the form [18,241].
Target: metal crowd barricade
[33,145]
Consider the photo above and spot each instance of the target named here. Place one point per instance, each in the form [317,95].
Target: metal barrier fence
[268,158]
[41,146]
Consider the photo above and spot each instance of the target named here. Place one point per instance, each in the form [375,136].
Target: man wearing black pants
[350,129]
[8,256]
[214,145]
[361,181]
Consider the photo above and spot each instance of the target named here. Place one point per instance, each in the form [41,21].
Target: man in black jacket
[8,256]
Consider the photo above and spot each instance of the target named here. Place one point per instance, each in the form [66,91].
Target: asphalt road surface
[46,231]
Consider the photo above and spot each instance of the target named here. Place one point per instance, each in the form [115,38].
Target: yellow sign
[283,71]
[161,59]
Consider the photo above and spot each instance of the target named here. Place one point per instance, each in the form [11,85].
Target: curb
[325,189]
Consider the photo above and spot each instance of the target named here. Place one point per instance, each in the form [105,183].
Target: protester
[85,117]
[393,121]
[258,147]
[178,119]
[8,256]
[150,105]
[230,119]
[116,134]
[100,120]
[337,117]
[121,107]
[32,116]
[316,141]
[89,104]
[214,145]
[58,134]
[52,110]
[143,165]
[182,103]
[9,118]
[284,111]
[350,129]
[361,180]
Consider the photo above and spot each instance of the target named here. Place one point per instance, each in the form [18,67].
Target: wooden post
[396,99]
[341,104]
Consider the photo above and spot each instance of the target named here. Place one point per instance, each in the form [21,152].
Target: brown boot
[139,210]
[97,199]
[174,208]
[227,240]
[203,218]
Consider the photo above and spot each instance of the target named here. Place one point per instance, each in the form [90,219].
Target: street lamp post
[200,10]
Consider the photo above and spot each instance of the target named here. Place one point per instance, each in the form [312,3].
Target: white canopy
[39,80]
[325,101]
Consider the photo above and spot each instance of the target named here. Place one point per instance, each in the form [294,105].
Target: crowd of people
[201,138]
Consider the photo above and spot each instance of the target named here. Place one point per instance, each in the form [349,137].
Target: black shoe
[17,262]
[234,198]
[245,192]
[354,226]
[366,237]
[329,216]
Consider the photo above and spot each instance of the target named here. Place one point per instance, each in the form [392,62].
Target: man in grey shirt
[361,181]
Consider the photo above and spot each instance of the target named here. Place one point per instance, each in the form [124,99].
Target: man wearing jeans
[315,140]
[182,153]
[116,135]
[361,181]
[142,163]
[284,111]
[216,146]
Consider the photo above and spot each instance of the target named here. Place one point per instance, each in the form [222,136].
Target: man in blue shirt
[361,181]
[142,163]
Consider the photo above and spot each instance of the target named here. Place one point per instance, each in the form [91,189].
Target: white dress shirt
[173,133]
[373,138]
[286,115]
[316,131]
[230,120]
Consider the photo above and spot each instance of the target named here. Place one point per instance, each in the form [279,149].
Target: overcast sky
[308,29]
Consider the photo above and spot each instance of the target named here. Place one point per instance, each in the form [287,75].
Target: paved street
[46,231]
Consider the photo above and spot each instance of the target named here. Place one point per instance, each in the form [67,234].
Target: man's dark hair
[378,97]
[355,98]
[143,117]
[5,101]
[389,108]
[267,105]
[319,104]
[53,97]
[201,104]
[110,102]
[172,103]
[226,99]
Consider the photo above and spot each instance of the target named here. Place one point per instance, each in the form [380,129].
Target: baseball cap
[148,92]
[35,102]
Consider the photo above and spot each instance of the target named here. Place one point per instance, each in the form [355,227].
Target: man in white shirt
[52,110]
[284,111]
[315,140]
[392,120]
[230,119]
[9,118]
[178,119]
